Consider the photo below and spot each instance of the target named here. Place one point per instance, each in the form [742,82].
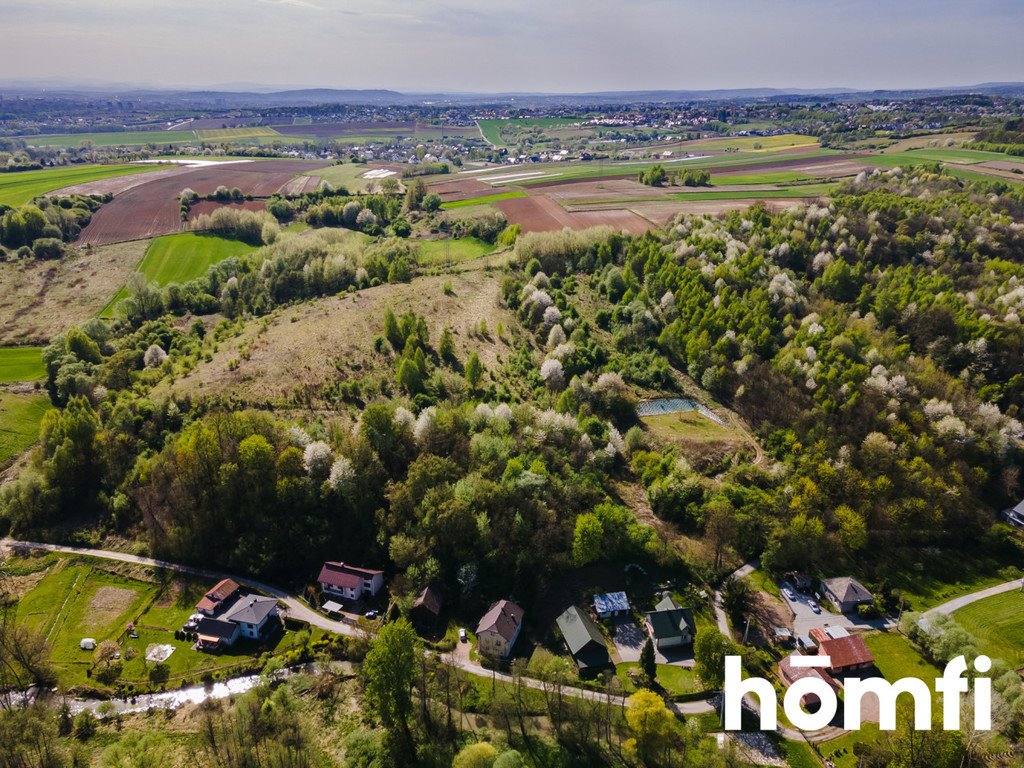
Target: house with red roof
[217,598]
[349,581]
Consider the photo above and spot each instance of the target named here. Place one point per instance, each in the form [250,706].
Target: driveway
[629,639]
[804,619]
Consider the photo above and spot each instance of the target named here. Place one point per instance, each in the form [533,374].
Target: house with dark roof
[214,600]
[670,625]
[584,640]
[426,608]
[846,593]
[848,655]
[249,616]
[349,581]
[499,629]
[1014,515]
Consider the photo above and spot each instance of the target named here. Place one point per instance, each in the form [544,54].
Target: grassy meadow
[430,252]
[20,187]
[21,364]
[997,623]
[20,416]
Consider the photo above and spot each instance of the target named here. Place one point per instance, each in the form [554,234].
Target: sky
[554,46]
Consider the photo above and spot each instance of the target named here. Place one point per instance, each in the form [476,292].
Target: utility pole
[746,631]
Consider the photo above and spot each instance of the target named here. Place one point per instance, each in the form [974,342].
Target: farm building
[348,581]
[846,593]
[499,629]
[611,604]
[584,640]
[426,609]
[670,625]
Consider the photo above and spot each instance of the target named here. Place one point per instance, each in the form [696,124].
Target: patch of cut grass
[896,657]
[688,425]
[21,364]
[769,177]
[997,623]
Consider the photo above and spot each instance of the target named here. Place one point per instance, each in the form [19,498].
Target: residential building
[846,593]
[584,640]
[611,605]
[670,625]
[1015,515]
[248,616]
[499,629]
[348,581]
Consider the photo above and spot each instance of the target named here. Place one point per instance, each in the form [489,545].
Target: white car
[789,594]
[463,637]
[814,606]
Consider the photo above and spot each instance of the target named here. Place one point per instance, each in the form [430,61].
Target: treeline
[657,176]
[41,228]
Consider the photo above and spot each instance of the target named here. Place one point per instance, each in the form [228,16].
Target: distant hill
[259,96]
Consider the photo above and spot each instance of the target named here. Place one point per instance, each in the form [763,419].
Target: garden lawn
[896,657]
[677,681]
[430,252]
[998,625]
[21,364]
[20,417]
[20,187]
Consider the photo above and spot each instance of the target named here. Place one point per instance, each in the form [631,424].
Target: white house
[348,581]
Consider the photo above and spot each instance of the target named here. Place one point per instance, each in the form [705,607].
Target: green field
[236,134]
[770,177]
[491,129]
[802,190]
[941,577]
[20,416]
[19,187]
[110,139]
[998,625]
[688,425]
[21,364]
[757,143]
[430,252]
[347,175]
[510,195]
[180,258]
[591,169]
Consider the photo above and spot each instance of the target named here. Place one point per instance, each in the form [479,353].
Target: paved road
[723,621]
[957,603]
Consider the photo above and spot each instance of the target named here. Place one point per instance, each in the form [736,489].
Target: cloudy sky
[516,45]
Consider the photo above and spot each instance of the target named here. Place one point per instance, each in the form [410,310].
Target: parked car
[463,637]
[372,614]
[814,606]
[788,593]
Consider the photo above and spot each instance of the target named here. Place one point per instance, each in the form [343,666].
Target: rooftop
[611,603]
[343,575]
[503,617]
[848,589]
[846,651]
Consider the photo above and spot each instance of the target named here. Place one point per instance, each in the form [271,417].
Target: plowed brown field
[152,209]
